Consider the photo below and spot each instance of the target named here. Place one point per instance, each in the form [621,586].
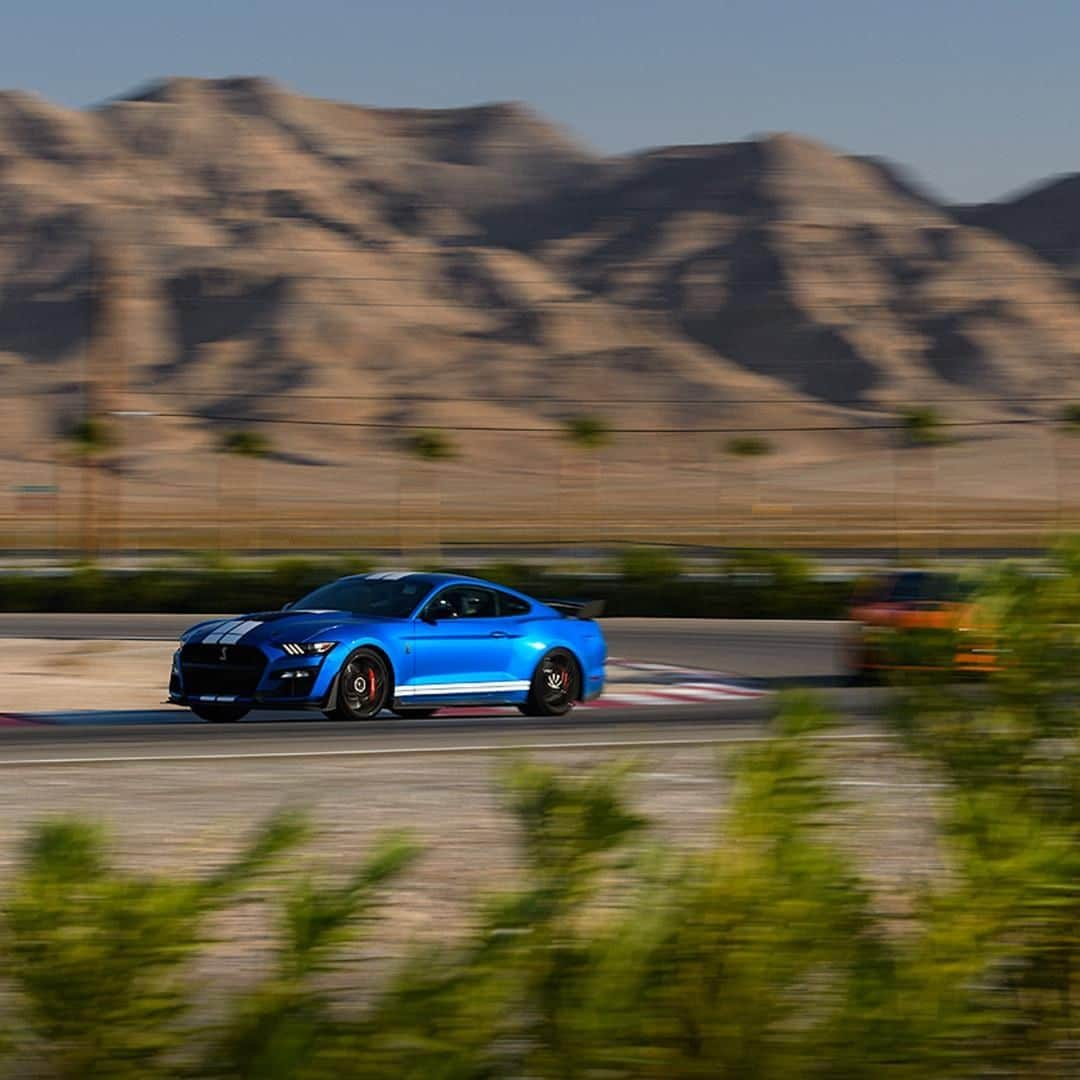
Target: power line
[517,430]
[410,397]
[560,277]
[515,307]
[388,248]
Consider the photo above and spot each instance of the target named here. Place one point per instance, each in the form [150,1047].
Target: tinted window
[465,602]
[511,605]
[395,598]
[919,585]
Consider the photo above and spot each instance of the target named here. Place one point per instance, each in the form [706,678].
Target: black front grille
[233,670]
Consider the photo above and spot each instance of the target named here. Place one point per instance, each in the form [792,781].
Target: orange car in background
[936,606]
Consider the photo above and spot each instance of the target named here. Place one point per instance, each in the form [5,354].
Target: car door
[460,645]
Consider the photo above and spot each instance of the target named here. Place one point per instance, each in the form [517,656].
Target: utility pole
[104,382]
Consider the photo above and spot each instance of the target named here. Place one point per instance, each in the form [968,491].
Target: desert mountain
[251,249]
[824,272]
[1045,219]
[262,246]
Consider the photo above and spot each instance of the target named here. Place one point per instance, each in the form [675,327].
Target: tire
[220,714]
[856,662]
[418,713]
[556,685]
[863,676]
[363,687]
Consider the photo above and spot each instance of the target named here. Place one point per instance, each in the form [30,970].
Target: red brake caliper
[371,684]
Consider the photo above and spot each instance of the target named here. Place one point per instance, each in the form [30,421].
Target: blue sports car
[408,642]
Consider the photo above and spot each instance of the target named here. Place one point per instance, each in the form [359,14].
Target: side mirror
[436,610]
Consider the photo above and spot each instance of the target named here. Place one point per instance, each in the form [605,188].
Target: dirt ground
[42,676]
[187,818]
[1010,489]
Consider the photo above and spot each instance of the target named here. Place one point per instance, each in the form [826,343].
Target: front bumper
[260,676]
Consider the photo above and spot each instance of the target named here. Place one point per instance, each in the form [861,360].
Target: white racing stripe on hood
[210,628]
[229,633]
[237,632]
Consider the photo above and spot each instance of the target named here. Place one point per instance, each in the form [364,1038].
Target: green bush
[1009,751]
[648,582]
[511,574]
[762,954]
[748,446]
[96,954]
[644,565]
[777,569]
[245,443]
[431,445]
[921,425]
[588,432]
[90,436]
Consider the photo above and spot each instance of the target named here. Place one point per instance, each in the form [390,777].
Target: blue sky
[976,96]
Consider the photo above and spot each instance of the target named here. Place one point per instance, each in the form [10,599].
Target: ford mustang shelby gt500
[397,640]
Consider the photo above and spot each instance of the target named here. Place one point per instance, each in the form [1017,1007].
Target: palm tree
[1070,426]
[749,448]
[432,447]
[588,434]
[241,443]
[921,427]
[88,440]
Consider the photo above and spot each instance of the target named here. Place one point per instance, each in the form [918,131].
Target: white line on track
[465,748]
[927,785]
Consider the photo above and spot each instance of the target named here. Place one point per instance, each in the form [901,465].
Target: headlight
[308,648]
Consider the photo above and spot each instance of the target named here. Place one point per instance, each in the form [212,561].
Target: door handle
[499,634]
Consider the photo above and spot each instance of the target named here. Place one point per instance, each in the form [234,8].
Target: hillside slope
[814,269]
[210,255]
[263,245]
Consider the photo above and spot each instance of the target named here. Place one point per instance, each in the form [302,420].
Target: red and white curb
[15,721]
[685,693]
[635,682]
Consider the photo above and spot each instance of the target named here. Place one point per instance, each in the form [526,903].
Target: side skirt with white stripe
[460,689]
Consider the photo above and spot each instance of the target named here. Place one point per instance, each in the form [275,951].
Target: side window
[511,605]
[464,602]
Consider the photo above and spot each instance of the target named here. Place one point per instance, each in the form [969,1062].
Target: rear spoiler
[578,609]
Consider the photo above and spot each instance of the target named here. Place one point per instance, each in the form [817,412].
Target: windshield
[395,598]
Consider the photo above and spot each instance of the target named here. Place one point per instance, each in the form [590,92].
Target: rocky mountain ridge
[480,266]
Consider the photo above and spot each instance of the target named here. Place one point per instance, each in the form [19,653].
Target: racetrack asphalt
[293,737]
[776,653]
[773,649]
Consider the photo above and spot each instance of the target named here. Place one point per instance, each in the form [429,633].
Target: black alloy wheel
[363,687]
[220,714]
[556,685]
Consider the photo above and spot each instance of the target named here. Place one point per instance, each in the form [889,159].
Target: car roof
[434,579]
